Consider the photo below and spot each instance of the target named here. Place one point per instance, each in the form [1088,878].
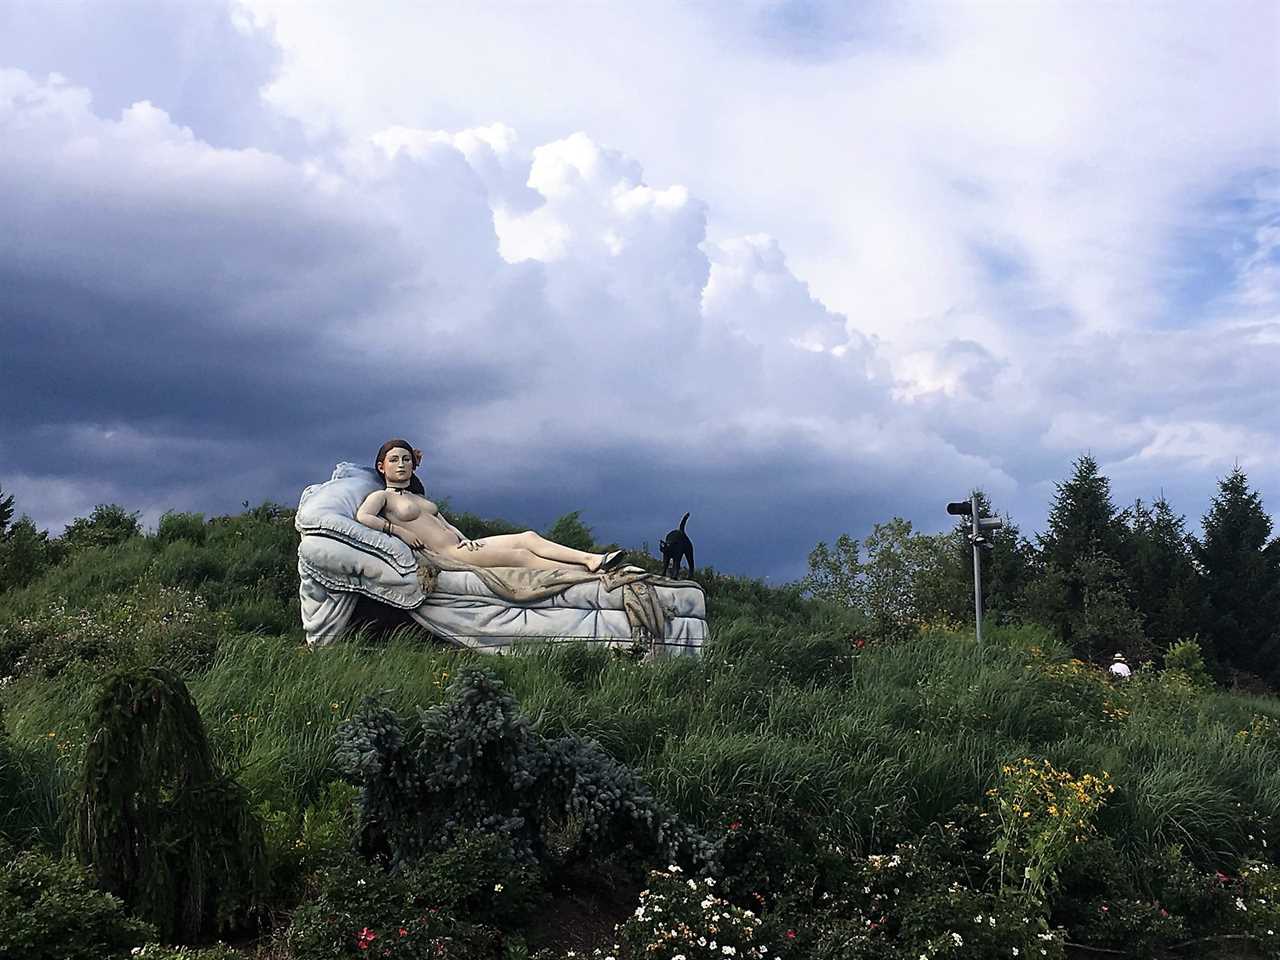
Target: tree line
[1132,581]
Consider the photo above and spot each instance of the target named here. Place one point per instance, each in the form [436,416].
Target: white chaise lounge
[340,559]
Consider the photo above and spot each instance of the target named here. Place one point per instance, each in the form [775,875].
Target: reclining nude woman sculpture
[402,510]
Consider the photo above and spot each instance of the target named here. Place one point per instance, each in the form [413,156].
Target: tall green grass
[783,718]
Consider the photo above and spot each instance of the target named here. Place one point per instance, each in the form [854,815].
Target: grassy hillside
[800,742]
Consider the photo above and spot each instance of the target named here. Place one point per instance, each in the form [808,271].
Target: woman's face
[397,465]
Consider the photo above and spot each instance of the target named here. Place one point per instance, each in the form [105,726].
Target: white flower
[959,940]
[728,951]
[497,888]
[679,956]
[1240,904]
[674,869]
[978,918]
[710,881]
[692,885]
[1015,951]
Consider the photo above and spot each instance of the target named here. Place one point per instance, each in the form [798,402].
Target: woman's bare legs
[527,550]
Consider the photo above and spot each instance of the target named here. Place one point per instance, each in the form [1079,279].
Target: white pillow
[329,510]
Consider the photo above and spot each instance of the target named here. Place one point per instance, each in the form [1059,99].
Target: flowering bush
[684,918]
[1139,926]
[1256,904]
[360,910]
[925,900]
[1040,813]
[152,624]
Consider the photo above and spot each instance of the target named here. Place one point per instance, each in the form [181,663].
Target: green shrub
[181,526]
[1186,657]
[298,845]
[475,762]
[1140,928]
[930,898]
[165,829]
[570,531]
[154,624]
[360,910]
[49,910]
[108,525]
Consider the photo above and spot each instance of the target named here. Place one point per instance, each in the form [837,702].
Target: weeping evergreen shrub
[163,828]
[475,762]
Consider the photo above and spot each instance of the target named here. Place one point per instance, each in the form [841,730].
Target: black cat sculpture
[676,546]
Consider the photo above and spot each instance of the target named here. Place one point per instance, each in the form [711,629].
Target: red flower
[791,934]
[859,643]
[404,932]
[1105,908]
[735,825]
[365,938]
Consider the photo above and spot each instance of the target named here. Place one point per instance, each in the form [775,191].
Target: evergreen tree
[1083,555]
[26,552]
[1162,573]
[1241,598]
[1089,606]
[1083,520]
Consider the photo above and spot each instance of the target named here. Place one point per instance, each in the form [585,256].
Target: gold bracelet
[386,525]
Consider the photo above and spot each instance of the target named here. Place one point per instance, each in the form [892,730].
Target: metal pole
[977,568]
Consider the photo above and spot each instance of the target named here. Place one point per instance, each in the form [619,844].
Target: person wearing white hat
[1119,668]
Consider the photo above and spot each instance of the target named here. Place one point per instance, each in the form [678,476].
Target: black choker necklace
[398,489]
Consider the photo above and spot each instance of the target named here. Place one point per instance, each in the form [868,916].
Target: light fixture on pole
[977,536]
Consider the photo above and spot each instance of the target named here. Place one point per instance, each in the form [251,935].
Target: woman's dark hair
[415,485]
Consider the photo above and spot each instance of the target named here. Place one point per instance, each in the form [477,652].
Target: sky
[793,267]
